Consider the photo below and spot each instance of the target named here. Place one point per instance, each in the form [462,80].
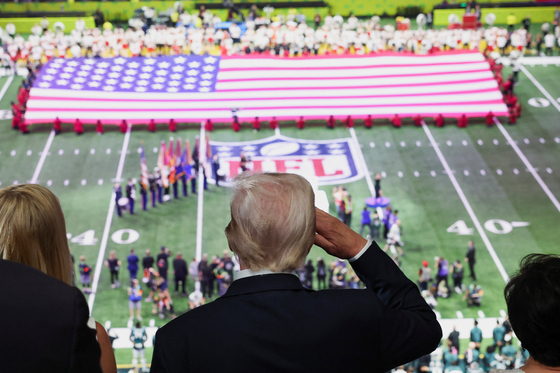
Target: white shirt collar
[249,273]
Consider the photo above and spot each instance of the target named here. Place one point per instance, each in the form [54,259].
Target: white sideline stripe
[200,210]
[43,158]
[6,86]
[277,130]
[107,229]
[527,164]
[362,161]
[540,87]
[466,203]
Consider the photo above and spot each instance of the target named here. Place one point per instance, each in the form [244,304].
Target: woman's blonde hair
[272,221]
[33,230]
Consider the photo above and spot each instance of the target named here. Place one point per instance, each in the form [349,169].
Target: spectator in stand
[476,334]
[498,335]
[114,265]
[454,338]
[386,325]
[180,272]
[321,274]
[48,318]
[132,267]
[135,299]
[534,314]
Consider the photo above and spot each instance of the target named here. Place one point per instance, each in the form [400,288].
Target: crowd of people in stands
[202,32]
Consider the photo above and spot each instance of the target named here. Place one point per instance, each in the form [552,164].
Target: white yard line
[466,203]
[277,131]
[362,161]
[6,86]
[200,209]
[540,87]
[527,164]
[43,158]
[107,229]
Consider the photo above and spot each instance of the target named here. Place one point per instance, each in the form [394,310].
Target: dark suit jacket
[180,268]
[270,323]
[43,324]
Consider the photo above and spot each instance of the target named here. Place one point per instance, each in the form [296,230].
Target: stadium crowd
[204,33]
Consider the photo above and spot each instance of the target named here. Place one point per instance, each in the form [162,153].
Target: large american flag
[189,88]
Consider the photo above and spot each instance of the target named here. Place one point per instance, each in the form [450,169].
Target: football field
[450,186]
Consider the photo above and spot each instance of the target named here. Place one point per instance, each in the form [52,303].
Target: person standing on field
[471,259]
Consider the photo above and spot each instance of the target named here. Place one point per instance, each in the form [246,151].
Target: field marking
[540,87]
[527,164]
[106,230]
[6,86]
[362,161]
[277,131]
[200,207]
[43,158]
[466,203]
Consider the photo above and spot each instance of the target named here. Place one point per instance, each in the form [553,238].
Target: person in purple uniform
[132,260]
[366,222]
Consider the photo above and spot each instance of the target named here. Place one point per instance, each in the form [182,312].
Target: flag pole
[201,161]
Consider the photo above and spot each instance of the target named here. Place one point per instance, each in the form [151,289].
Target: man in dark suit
[44,324]
[276,325]
[471,259]
[131,195]
[181,271]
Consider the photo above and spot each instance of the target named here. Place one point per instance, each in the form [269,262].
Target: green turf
[427,204]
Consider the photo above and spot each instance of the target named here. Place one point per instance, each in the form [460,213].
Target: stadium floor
[494,179]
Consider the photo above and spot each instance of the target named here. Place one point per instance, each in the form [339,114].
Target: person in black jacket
[471,259]
[279,326]
[180,270]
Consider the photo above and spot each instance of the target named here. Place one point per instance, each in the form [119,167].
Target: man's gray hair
[272,221]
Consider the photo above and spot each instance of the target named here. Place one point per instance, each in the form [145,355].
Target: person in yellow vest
[511,21]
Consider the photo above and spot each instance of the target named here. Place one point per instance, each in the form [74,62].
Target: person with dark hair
[454,338]
[498,335]
[114,264]
[309,269]
[534,314]
[471,259]
[457,272]
[321,274]
[476,334]
[180,270]
[132,267]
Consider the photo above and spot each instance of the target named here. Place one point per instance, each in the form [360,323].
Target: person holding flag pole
[163,170]
[172,171]
[143,177]
[179,171]
[186,161]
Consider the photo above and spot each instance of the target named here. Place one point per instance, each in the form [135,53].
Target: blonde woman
[33,233]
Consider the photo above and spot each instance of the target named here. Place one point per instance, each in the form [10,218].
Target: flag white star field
[195,88]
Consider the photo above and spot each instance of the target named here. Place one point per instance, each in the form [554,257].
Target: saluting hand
[335,237]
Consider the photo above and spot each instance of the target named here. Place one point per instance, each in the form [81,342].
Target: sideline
[200,209]
[6,86]
[527,164]
[43,158]
[107,229]
[540,87]
[466,203]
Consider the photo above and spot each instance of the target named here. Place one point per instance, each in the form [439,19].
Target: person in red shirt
[78,127]
[300,123]
[256,124]
[439,120]
[123,126]
[16,119]
[99,128]
[273,123]
[235,124]
[172,125]
[517,109]
[417,120]
[208,126]
[397,121]
[23,127]
[512,100]
[368,122]
[462,121]
[152,126]
[330,122]
[349,122]
[57,125]
[512,117]
[490,119]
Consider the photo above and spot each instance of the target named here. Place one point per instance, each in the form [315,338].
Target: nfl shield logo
[329,161]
